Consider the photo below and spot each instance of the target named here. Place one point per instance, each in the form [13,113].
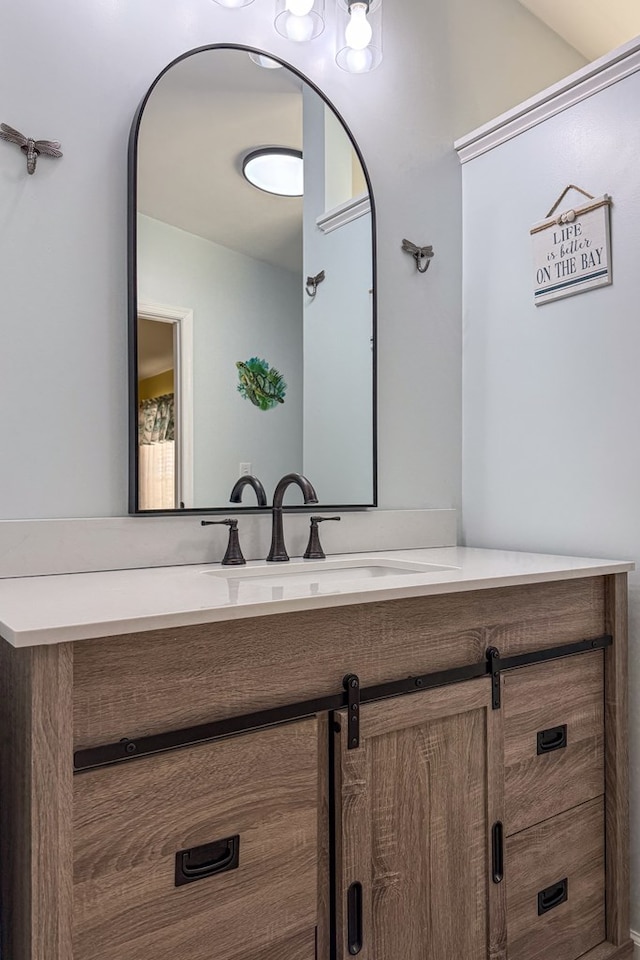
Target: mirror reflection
[253,299]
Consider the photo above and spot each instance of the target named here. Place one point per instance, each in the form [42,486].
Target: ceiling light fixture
[277,170]
[359,25]
[299,20]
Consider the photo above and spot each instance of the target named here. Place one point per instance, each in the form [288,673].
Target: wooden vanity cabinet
[554,738]
[554,775]
[475,830]
[555,879]
[416,802]
[207,851]
[386,851]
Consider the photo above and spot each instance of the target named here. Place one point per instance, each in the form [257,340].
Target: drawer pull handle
[555,738]
[497,850]
[553,896]
[354,918]
[207,860]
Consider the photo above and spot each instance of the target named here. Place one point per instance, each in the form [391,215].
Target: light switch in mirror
[235,359]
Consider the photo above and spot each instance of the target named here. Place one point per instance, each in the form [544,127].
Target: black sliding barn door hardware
[352,686]
[494,667]
[351,698]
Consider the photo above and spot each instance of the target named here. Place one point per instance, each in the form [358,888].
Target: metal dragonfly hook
[311,285]
[32,148]
[422,255]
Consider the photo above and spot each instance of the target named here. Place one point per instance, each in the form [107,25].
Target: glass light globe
[299,28]
[358,33]
[300,8]
[358,61]
[299,20]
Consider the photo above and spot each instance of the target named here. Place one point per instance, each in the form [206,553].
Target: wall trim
[344,213]
[636,939]
[584,83]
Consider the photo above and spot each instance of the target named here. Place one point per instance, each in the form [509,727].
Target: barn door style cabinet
[437,778]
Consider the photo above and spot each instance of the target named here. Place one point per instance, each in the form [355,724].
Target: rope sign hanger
[570,215]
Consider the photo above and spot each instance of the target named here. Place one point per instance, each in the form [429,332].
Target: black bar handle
[555,738]
[207,860]
[553,896]
[497,851]
[354,919]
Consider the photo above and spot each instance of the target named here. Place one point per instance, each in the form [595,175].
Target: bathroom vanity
[417,764]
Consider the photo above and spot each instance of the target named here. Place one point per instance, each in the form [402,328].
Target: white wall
[338,327]
[338,368]
[76,72]
[242,308]
[551,457]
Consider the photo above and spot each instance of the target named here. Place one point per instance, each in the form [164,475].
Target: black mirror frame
[132,282]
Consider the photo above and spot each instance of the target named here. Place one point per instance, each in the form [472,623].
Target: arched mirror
[252,289]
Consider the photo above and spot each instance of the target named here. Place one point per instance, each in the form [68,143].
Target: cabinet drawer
[251,802]
[554,738]
[555,886]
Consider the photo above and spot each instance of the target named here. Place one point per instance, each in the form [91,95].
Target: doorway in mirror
[165,402]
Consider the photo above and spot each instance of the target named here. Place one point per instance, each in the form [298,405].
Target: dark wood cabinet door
[415,806]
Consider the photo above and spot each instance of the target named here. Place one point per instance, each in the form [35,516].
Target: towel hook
[32,148]
[311,285]
[422,255]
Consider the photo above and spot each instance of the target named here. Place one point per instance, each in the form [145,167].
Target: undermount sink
[330,574]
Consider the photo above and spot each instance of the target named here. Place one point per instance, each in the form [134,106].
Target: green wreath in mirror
[260,383]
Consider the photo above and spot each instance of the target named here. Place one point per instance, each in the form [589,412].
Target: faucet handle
[314,550]
[233,556]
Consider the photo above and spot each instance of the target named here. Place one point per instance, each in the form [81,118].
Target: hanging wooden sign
[572,251]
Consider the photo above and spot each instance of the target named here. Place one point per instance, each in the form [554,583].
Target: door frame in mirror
[134,306]
[181,319]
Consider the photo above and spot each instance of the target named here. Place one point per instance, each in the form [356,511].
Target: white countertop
[81,606]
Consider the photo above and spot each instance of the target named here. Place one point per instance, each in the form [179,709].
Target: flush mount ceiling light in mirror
[275,170]
[299,20]
[359,26]
[233,3]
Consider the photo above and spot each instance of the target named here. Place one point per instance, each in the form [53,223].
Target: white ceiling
[593,27]
[203,117]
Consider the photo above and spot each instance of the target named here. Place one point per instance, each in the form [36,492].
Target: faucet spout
[278,551]
[248,481]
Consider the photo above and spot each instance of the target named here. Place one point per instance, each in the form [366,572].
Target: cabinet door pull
[354,918]
[555,738]
[497,849]
[207,860]
[553,896]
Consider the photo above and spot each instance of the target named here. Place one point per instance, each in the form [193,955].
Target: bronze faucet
[248,481]
[233,557]
[314,549]
[278,550]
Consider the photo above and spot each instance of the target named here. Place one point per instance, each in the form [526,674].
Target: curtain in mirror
[156,443]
